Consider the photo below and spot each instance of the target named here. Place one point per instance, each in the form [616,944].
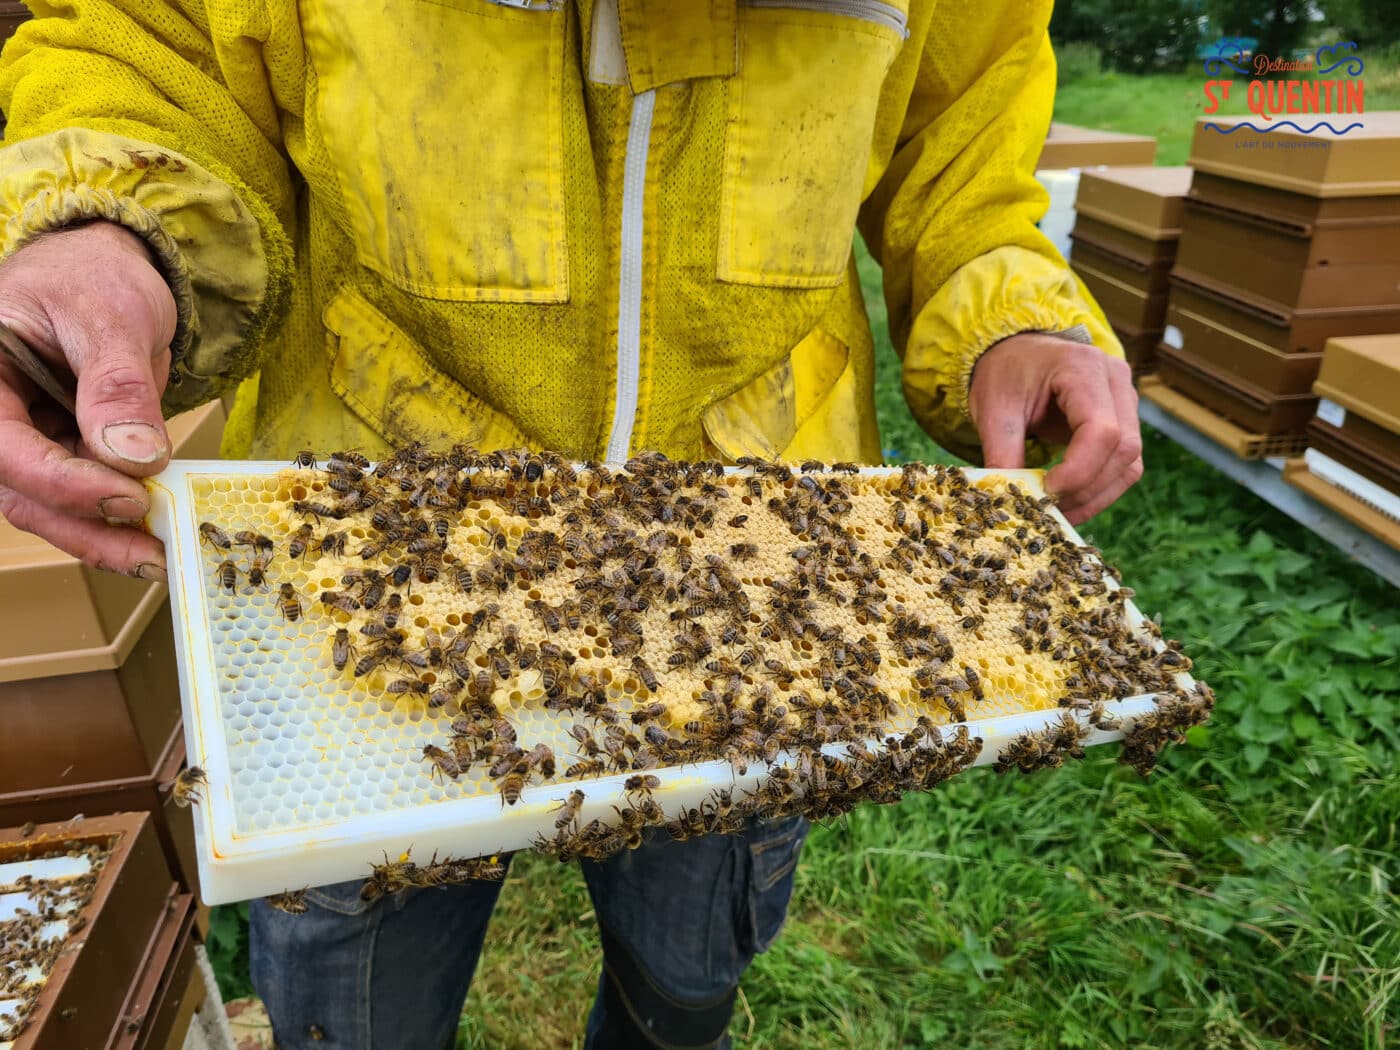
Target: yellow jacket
[594,226]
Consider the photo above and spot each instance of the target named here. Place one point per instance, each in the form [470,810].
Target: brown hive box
[1217,428]
[1123,302]
[1300,330]
[1366,460]
[1146,274]
[1069,146]
[1385,443]
[151,792]
[84,1003]
[1364,162]
[1297,474]
[1142,200]
[1329,263]
[75,619]
[1249,407]
[1253,363]
[1122,242]
[1362,374]
[163,991]
[1139,347]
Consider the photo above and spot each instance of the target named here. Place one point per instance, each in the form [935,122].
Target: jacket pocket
[443,123]
[808,405]
[801,120]
[388,381]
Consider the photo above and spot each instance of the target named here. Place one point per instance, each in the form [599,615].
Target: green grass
[1242,897]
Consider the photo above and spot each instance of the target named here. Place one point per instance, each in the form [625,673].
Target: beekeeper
[597,226]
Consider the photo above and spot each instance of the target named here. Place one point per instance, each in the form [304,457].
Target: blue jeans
[680,923]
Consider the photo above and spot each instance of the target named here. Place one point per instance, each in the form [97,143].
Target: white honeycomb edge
[238,865]
[1382,501]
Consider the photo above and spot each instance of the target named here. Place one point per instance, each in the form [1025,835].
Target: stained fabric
[442,182]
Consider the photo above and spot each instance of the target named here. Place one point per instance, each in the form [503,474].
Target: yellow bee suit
[596,227]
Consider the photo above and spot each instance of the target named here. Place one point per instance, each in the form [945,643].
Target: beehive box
[494,652]
[1143,201]
[1070,146]
[1364,162]
[76,619]
[84,904]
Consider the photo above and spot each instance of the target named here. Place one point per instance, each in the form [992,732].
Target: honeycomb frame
[269,718]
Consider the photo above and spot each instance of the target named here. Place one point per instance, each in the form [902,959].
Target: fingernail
[134,441]
[121,510]
[150,570]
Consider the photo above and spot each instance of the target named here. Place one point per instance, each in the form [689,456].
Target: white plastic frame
[237,866]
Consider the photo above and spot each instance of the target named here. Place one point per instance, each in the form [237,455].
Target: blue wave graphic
[1229,54]
[1354,65]
[1212,126]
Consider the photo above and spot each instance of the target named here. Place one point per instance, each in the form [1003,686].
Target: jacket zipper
[870,10]
[629,281]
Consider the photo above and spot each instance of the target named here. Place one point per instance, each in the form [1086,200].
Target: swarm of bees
[831,629]
[28,949]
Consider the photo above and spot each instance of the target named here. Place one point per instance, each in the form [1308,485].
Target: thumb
[1003,437]
[118,403]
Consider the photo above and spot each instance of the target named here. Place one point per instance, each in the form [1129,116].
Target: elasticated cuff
[203,238]
[1003,293]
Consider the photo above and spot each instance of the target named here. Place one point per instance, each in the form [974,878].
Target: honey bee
[440,696]
[649,713]
[212,534]
[301,540]
[306,459]
[341,649]
[495,537]
[582,734]
[256,540]
[348,462]
[568,811]
[643,670]
[310,509]
[590,767]
[542,759]
[546,614]
[288,604]
[341,600]
[257,570]
[228,575]
[293,902]
[333,543]
[512,784]
[399,686]
[642,784]
[441,761]
[188,786]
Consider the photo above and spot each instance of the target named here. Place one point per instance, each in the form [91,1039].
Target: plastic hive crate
[312,776]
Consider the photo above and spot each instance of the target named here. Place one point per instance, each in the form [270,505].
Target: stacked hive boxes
[1353,462]
[1068,149]
[89,699]
[123,974]
[1124,241]
[1283,245]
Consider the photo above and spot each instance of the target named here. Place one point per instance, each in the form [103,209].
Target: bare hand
[90,303]
[1067,393]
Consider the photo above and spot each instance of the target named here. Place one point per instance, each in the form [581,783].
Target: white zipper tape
[629,281]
